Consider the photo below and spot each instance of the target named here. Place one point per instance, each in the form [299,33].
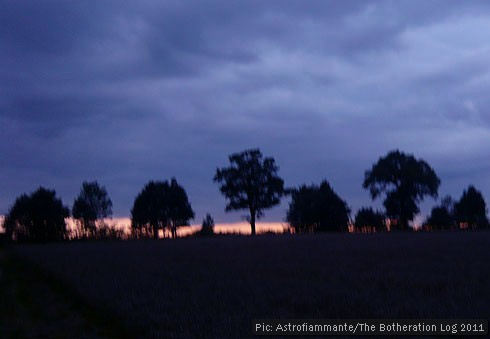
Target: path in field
[32,306]
[214,287]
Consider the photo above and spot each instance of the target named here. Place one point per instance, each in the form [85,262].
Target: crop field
[214,287]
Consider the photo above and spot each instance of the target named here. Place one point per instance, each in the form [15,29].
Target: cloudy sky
[122,94]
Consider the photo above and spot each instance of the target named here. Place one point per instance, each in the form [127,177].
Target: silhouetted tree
[471,210]
[250,183]
[368,220]
[440,219]
[442,216]
[37,217]
[179,208]
[92,205]
[405,181]
[317,208]
[160,205]
[207,225]
[448,203]
[148,214]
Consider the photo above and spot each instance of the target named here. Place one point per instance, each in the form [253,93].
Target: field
[214,287]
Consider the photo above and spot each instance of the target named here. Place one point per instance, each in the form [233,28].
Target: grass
[214,287]
[36,304]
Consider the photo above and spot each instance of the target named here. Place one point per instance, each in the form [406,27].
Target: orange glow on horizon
[219,228]
[244,227]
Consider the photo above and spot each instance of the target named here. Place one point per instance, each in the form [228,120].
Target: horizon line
[240,227]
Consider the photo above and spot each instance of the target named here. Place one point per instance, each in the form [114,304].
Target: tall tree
[471,210]
[148,214]
[179,208]
[92,205]
[37,217]
[405,181]
[159,206]
[369,220]
[251,182]
[317,208]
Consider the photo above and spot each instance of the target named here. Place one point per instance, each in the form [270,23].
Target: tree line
[251,182]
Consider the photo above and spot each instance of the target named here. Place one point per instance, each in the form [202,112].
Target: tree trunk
[155,231]
[174,231]
[252,220]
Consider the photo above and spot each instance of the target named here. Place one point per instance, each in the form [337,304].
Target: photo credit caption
[457,327]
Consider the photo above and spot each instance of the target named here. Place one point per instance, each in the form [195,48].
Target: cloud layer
[128,93]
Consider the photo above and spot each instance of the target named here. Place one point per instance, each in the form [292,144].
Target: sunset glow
[220,228]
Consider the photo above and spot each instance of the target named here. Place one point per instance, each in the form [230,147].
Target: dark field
[214,287]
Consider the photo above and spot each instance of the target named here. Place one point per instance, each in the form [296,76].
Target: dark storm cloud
[50,27]
[124,93]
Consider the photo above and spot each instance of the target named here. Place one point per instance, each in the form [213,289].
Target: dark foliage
[442,216]
[109,232]
[37,217]
[207,225]
[405,181]
[251,182]
[440,219]
[316,209]
[368,220]
[471,210]
[160,206]
[91,205]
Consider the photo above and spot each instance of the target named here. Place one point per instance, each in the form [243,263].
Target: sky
[124,93]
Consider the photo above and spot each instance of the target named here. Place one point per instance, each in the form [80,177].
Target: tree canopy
[317,208]
[471,210]
[368,220]
[405,181]
[91,205]
[250,182]
[160,205]
[37,217]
